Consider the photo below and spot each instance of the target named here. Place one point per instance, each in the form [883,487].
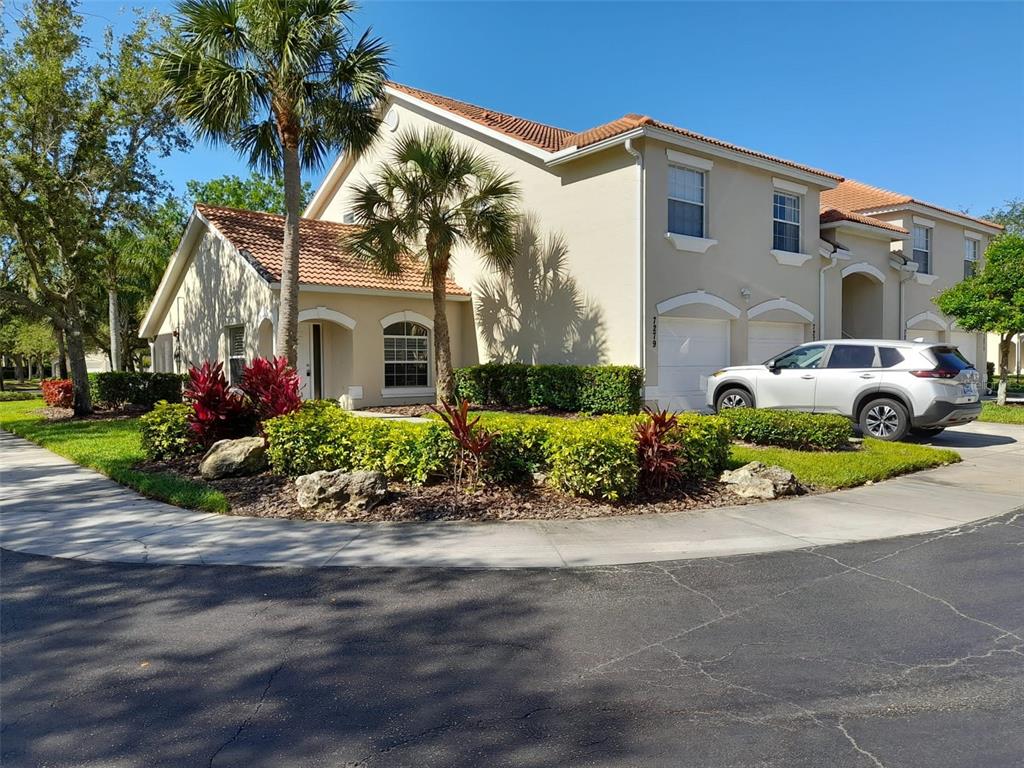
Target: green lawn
[112,447]
[1002,414]
[877,460]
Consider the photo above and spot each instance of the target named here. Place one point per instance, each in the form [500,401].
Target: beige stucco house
[654,246]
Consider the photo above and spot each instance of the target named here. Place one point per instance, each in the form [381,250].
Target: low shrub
[594,457]
[166,431]
[519,448]
[322,435]
[473,441]
[789,429]
[11,396]
[120,388]
[597,389]
[58,393]
[657,455]
[218,411]
[703,444]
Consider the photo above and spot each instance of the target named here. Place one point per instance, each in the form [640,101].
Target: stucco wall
[739,216]
[591,203]
[217,290]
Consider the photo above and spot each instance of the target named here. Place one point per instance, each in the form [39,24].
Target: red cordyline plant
[218,411]
[658,456]
[58,393]
[272,386]
[473,442]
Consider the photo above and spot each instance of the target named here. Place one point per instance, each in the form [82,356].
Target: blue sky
[926,98]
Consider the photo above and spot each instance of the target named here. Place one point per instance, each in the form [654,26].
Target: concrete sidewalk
[49,506]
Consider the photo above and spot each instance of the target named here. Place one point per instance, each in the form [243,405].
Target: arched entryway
[862,302]
[325,353]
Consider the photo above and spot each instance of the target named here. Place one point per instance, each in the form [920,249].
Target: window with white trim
[236,353]
[406,355]
[686,201]
[923,249]
[786,222]
[970,257]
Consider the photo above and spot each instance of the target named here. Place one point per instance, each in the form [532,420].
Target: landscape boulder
[341,493]
[234,458]
[761,481]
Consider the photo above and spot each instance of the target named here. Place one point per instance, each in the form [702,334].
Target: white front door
[768,340]
[310,360]
[689,350]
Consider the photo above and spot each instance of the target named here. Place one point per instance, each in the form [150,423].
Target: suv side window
[888,357]
[851,356]
[801,357]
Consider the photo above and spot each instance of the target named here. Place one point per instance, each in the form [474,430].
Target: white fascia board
[319,288]
[469,125]
[866,230]
[175,266]
[565,155]
[926,210]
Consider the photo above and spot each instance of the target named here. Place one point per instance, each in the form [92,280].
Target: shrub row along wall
[117,388]
[584,457]
[790,429]
[614,389]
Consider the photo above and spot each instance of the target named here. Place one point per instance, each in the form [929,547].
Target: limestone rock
[760,481]
[344,493]
[234,458]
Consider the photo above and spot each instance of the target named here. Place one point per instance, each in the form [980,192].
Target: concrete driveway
[52,507]
[894,654]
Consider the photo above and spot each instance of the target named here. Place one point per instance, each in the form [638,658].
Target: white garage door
[688,351]
[925,334]
[766,340]
[967,343]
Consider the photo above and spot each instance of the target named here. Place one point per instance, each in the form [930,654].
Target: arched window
[406,355]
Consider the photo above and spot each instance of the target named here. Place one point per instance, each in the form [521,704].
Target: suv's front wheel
[734,397]
[884,419]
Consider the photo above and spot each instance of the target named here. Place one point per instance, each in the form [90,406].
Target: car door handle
[807,376]
[867,375]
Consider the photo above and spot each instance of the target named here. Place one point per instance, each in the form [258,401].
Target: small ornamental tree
[992,301]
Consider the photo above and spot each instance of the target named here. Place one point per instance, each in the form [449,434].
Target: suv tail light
[936,373]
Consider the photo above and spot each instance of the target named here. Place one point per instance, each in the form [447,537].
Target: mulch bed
[269,495]
[99,413]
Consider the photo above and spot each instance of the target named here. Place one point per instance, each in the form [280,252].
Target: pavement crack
[248,720]
[841,727]
[688,588]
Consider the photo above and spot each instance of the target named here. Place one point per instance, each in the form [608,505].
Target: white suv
[888,387]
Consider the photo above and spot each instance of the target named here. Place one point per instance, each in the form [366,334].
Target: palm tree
[433,197]
[284,82]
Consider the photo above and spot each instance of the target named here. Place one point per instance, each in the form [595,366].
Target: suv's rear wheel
[884,419]
[734,397]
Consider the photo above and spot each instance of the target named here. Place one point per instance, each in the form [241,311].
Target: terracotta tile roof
[259,237]
[546,137]
[830,215]
[553,139]
[857,196]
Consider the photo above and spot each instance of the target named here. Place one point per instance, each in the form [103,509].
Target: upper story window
[236,353]
[686,201]
[970,257]
[406,355]
[786,222]
[923,249]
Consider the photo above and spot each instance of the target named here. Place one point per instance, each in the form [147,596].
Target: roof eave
[868,230]
[916,206]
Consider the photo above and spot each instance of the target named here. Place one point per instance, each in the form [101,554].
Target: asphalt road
[904,652]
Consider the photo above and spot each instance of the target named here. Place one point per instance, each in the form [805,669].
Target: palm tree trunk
[444,376]
[288,317]
[114,320]
[62,353]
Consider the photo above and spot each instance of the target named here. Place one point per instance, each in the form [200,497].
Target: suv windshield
[950,359]
[800,357]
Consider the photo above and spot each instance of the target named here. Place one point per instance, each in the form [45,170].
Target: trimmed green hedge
[165,431]
[598,389]
[789,429]
[594,457]
[117,388]
[9,396]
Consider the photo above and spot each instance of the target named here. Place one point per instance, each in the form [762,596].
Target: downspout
[906,269]
[641,288]
[833,259]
